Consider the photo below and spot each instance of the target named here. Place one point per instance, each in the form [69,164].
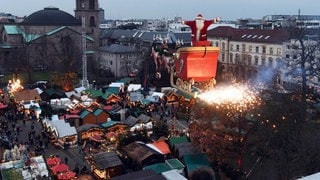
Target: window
[271,50]
[92,22]
[263,61]
[250,48]
[288,46]
[217,44]
[237,60]
[244,58]
[237,47]
[278,63]
[231,58]
[91,4]
[243,47]
[82,4]
[279,51]
[223,46]
[295,56]
[264,50]
[222,57]
[257,49]
[287,56]
[231,47]
[270,62]
[256,60]
[110,62]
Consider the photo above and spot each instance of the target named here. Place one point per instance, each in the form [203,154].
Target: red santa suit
[199,28]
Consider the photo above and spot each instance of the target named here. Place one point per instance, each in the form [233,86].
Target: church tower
[89,9]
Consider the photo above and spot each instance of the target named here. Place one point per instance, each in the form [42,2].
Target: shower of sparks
[239,96]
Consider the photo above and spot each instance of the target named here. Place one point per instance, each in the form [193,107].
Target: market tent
[67,175]
[52,161]
[139,175]
[3,105]
[59,168]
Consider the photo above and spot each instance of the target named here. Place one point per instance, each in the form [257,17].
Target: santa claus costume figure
[199,27]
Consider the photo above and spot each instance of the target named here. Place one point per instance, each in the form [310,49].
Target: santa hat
[199,16]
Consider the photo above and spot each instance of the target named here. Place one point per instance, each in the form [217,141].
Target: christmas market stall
[90,131]
[142,155]
[114,128]
[161,146]
[61,133]
[105,165]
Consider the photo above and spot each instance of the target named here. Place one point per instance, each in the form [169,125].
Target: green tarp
[168,165]
[194,161]
[158,168]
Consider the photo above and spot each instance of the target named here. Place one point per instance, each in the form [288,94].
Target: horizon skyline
[121,9]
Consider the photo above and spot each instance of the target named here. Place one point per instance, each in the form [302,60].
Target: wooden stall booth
[105,165]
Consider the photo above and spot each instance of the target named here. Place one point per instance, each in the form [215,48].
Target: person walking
[66,160]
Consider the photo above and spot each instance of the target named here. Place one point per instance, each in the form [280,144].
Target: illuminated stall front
[90,131]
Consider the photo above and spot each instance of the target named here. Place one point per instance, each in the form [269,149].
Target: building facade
[48,37]
[246,52]
[121,60]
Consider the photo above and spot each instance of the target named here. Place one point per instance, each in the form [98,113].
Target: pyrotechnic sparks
[234,95]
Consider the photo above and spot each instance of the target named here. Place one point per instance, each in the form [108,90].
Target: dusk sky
[187,9]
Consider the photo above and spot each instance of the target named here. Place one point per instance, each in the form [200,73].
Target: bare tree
[67,55]
[304,62]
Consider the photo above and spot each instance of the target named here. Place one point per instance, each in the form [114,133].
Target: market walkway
[72,155]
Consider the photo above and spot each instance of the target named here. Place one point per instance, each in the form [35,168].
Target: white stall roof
[134,87]
[315,176]
[160,94]
[173,175]
[116,84]
[63,129]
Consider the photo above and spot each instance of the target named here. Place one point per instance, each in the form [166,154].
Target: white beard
[199,27]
